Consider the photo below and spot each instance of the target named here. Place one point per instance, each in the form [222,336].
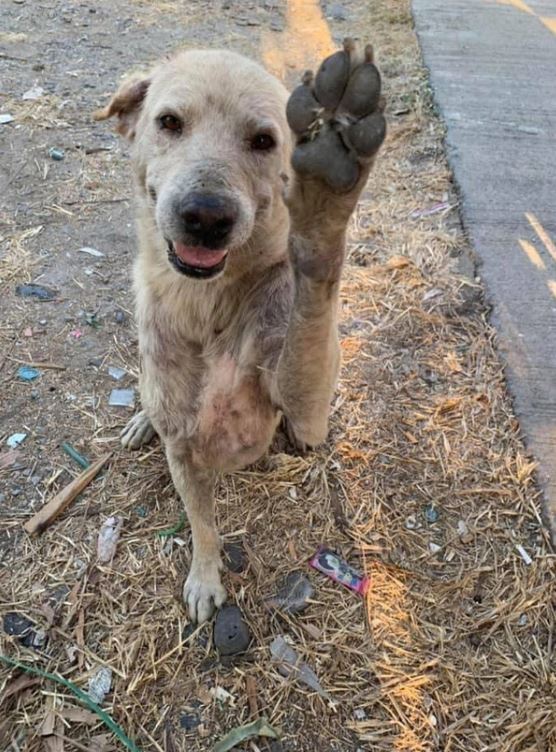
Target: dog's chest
[235,419]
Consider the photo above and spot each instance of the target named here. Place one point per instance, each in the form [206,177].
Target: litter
[34,93]
[222,695]
[74,454]
[108,537]
[76,333]
[27,374]
[260,727]
[434,548]
[524,555]
[177,528]
[435,209]
[100,684]
[332,565]
[431,514]
[116,373]
[35,291]
[15,440]
[292,665]
[63,499]
[91,251]
[5,118]
[293,594]
[122,398]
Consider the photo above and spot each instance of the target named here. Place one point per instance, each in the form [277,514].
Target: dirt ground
[424,482]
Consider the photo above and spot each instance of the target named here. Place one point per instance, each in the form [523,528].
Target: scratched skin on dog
[239,262]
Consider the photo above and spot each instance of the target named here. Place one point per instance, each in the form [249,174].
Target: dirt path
[423,483]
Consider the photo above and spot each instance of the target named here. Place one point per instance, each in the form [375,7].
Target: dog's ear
[126,104]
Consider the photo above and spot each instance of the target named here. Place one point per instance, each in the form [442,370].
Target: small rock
[431,514]
[122,398]
[56,154]
[99,684]
[434,548]
[231,633]
[119,317]
[189,721]
[337,12]
[234,557]
[35,291]
[15,440]
[5,118]
[360,714]
[292,594]
[522,621]
[17,625]
[411,522]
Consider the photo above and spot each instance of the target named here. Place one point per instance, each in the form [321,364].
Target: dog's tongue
[198,256]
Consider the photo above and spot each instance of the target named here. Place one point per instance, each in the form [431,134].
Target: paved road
[493,70]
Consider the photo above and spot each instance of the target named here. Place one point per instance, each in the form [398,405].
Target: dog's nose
[208,218]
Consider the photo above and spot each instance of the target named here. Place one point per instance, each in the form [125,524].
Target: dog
[243,200]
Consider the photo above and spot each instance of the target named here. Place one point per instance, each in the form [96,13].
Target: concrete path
[493,71]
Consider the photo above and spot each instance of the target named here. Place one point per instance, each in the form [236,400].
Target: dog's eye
[262,142]
[170,123]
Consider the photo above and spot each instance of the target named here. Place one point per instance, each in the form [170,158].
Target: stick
[63,499]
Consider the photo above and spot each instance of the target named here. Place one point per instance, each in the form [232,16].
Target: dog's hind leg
[203,589]
[138,432]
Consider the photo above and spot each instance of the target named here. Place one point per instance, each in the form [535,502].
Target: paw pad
[337,117]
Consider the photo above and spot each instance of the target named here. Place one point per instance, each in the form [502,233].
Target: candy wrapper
[332,565]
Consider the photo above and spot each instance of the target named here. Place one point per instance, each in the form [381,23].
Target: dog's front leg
[203,589]
[339,127]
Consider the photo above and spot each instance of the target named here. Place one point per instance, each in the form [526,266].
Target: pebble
[56,154]
[431,514]
[189,721]
[292,594]
[122,398]
[336,12]
[231,633]
[18,625]
[119,317]
[99,684]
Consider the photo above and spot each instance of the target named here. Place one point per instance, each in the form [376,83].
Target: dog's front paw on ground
[203,592]
[337,118]
[138,431]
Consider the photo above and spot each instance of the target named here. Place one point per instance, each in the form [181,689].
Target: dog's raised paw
[138,432]
[337,118]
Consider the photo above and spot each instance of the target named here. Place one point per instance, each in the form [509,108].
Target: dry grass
[452,649]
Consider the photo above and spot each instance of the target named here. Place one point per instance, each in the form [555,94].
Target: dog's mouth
[196,261]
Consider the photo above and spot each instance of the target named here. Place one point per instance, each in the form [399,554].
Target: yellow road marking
[552,286]
[305,41]
[531,253]
[544,237]
[550,23]
[519,4]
